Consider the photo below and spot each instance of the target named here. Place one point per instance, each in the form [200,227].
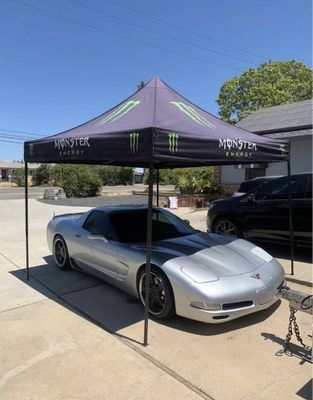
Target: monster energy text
[119,112]
[134,142]
[173,142]
[193,114]
[237,147]
[72,146]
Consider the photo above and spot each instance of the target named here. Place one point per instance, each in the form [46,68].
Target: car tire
[162,303]
[60,253]
[227,226]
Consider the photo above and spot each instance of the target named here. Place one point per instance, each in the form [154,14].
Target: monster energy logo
[134,142]
[192,113]
[173,143]
[282,148]
[119,112]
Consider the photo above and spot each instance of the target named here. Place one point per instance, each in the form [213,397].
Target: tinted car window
[308,194]
[278,189]
[97,223]
[247,186]
[131,226]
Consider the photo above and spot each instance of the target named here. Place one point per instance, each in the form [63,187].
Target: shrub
[43,174]
[190,180]
[115,175]
[18,176]
[77,180]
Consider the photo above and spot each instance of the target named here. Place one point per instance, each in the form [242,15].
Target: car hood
[206,257]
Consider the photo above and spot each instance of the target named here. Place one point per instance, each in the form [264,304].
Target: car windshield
[130,226]
[248,186]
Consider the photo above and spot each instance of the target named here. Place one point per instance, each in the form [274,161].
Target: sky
[65,61]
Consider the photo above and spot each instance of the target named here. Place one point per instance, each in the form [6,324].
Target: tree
[77,180]
[270,84]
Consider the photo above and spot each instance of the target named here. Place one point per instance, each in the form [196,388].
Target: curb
[299,281]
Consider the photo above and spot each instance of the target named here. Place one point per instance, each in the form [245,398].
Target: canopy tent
[155,127]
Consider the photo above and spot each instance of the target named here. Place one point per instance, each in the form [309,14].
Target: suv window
[278,189]
[98,224]
[308,193]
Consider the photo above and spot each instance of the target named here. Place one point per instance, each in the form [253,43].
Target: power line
[186,29]
[160,33]
[121,35]
[11,141]
[22,132]
[14,137]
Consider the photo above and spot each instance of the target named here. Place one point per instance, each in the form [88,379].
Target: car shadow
[112,309]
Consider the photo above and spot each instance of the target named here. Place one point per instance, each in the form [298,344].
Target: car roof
[269,177]
[112,209]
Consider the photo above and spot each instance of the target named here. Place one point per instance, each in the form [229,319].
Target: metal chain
[293,324]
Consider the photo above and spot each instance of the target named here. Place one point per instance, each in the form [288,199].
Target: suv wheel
[226,226]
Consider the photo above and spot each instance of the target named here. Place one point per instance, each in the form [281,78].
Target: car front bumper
[236,295]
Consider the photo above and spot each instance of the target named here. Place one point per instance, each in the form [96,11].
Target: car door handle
[78,235]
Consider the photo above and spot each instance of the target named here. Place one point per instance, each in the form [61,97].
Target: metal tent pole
[26,220]
[157,182]
[149,250]
[290,220]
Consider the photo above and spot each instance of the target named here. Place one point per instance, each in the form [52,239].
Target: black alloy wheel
[60,253]
[226,226]
[161,299]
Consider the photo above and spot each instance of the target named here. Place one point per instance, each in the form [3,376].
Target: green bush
[190,180]
[18,176]
[43,174]
[115,175]
[77,180]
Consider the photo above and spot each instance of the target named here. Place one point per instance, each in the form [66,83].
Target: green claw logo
[192,113]
[134,142]
[173,142]
[31,149]
[282,148]
[119,112]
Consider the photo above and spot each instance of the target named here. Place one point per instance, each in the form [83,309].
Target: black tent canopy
[155,127]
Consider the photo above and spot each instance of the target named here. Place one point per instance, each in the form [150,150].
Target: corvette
[202,276]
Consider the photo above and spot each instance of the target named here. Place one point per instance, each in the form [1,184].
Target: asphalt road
[19,192]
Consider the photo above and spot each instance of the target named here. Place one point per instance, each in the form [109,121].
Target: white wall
[301,156]
[231,175]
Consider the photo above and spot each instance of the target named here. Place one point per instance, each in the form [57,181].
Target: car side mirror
[251,198]
[187,221]
[97,237]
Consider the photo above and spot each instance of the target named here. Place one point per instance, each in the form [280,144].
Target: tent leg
[149,250]
[290,220]
[157,188]
[26,220]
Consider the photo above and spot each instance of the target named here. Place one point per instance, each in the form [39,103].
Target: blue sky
[55,73]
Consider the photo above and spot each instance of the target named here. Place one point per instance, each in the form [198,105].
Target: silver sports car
[205,277]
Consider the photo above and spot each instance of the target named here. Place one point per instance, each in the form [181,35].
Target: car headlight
[211,205]
[203,305]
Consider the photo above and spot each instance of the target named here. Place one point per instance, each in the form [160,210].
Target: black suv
[263,213]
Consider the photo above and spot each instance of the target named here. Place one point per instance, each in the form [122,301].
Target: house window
[255,172]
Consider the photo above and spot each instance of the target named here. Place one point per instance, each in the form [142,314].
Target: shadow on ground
[109,307]
[301,254]
[303,354]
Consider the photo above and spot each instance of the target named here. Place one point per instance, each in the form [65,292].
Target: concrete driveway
[65,335]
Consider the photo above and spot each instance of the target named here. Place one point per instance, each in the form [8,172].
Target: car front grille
[239,304]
